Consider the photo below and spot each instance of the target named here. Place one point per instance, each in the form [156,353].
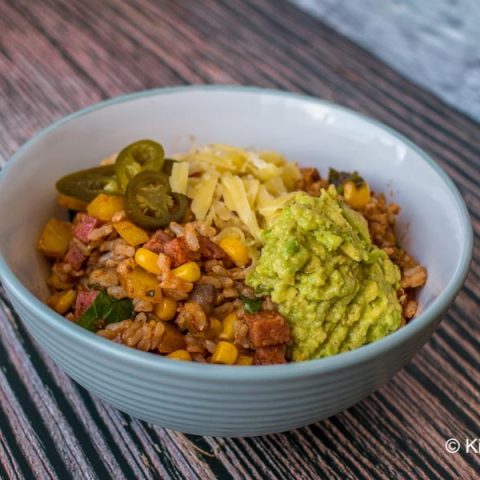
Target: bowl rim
[242,373]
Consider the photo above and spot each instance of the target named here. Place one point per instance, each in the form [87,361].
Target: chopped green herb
[105,310]
[339,179]
[251,305]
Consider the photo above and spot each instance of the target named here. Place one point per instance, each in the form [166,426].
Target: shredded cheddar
[235,188]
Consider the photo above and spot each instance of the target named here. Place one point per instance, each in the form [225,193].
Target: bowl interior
[431,224]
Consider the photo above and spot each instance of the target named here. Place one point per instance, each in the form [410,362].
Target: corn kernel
[244,360]
[180,355]
[225,353]
[148,261]
[236,250]
[190,272]
[132,234]
[166,309]
[356,197]
[104,207]
[71,203]
[227,332]
[62,301]
[214,329]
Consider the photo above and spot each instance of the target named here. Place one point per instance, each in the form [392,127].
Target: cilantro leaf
[251,305]
[105,310]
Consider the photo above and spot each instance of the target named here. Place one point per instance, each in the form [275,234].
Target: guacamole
[336,289]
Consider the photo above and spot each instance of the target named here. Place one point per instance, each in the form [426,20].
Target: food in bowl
[228,256]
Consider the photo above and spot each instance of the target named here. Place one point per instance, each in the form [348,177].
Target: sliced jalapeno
[167,166]
[87,184]
[179,207]
[150,203]
[136,157]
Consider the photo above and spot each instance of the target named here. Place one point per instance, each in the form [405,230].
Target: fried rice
[199,318]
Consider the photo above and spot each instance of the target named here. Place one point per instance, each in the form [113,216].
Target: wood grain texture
[57,56]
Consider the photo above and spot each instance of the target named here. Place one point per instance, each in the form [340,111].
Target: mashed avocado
[337,290]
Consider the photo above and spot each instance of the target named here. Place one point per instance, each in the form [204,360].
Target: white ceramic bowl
[212,399]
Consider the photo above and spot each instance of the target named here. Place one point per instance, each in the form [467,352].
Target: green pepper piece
[87,184]
[137,157]
[150,203]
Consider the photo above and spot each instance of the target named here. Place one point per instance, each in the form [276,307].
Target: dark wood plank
[57,56]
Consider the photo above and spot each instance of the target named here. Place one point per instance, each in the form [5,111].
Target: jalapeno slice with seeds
[137,157]
[149,202]
[87,184]
[179,207]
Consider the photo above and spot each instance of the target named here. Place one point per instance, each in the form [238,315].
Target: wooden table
[58,56]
